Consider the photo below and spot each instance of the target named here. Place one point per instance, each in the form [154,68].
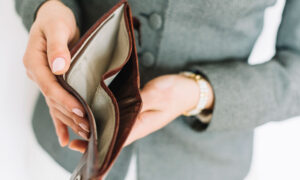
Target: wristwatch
[204,93]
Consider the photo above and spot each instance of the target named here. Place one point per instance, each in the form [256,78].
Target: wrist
[201,98]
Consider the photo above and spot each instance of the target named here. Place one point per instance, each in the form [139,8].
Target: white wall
[276,151]
[20,156]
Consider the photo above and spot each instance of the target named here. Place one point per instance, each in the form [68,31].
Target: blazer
[215,38]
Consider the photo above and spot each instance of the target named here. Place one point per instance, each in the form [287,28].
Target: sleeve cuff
[205,116]
[229,92]
[27,10]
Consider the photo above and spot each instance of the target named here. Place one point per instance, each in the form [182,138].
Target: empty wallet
[104,77]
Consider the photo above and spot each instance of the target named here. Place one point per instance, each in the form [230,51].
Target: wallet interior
[103,51]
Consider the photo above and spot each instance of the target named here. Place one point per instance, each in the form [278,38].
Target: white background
[276,150]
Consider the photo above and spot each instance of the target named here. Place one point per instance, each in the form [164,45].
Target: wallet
[104,77]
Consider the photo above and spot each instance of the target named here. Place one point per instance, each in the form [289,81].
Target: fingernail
[60,142]
[78,112]
[58,64]
[82,134]
[74,149]
[84,126]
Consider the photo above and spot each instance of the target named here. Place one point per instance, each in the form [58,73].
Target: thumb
[146,123]
[58,53]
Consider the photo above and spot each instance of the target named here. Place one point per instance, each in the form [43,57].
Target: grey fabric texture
[215,38]
[27,10]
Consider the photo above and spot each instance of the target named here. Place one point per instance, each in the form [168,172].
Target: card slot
[97,68]
[105,116]
[122,47]
[106,124]
[104,52]
[92,71]
[107,113]
[129,102]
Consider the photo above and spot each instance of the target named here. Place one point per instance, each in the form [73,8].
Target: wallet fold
[104,77]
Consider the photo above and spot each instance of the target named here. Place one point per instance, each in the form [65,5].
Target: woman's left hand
[164,98]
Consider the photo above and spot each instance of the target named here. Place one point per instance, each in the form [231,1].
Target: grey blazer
[214,37]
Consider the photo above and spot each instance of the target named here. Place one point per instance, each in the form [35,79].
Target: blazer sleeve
[27,10]
[247,96]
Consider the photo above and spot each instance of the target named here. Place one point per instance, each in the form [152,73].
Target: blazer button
[155,21]
[147,59]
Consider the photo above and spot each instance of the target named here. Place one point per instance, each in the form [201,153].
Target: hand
[164,98]
[47,54]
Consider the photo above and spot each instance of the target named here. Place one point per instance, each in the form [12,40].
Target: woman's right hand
[47,55]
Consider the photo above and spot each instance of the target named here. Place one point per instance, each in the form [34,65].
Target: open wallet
[104,77]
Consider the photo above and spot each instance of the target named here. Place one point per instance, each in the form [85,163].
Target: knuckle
[49,90]
[75,118]
[68,101]
[63,99]
[55,48]
[74,128]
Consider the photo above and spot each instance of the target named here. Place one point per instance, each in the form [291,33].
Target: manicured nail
[75,149]
[59,140]
[58,64]
[72,148]
[78,112]
[82,134]
[84,126]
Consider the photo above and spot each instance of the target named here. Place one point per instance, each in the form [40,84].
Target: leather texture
[104,77]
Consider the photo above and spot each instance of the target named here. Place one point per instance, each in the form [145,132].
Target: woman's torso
[175,34]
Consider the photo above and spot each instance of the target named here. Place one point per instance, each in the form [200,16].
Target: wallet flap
[104,50]
[104,77]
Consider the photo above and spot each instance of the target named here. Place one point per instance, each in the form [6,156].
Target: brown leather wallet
[104,77]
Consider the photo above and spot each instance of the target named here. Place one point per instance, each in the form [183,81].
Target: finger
[146,123]
[61,131]
[69,122]
[53,90]
[82,122]
[58,53]
[78,145]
